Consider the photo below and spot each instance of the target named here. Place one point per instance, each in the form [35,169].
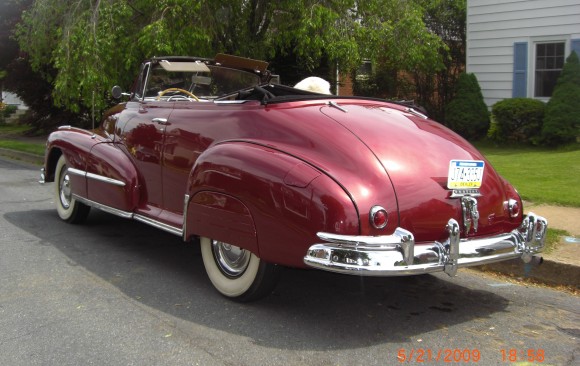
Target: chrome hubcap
[231,260]
[65,189]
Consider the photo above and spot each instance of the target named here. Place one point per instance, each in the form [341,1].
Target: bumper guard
[397,254]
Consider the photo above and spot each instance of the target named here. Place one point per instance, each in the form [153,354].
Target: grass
[553,237]
[36,148]
[540,175]
[13,129]
[11,137]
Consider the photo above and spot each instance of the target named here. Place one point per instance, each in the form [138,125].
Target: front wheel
[237,273]
[68,208]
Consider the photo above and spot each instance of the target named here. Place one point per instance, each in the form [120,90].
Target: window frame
[534,60]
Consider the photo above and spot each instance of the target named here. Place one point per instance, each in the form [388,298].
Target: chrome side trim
[74,171]
[106,179]
[158,225]
[130,215]
[111,210]
[98,177]
[397,254]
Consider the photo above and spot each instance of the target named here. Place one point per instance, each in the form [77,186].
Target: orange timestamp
[521,355]
[450,355]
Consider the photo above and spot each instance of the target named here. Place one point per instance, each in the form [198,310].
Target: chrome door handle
[161,121]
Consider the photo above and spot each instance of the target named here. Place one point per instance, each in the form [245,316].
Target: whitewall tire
[68,208]
[237,273]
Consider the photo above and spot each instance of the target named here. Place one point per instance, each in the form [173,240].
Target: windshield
[197,79]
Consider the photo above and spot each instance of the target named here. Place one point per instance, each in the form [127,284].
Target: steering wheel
[179,90]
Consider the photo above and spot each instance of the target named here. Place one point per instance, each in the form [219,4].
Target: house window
[549,64]
[365,70]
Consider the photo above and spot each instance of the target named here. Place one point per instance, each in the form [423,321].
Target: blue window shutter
[575,45]
[520,83]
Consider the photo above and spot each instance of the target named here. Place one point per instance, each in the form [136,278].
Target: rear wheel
[68,208]
[237,273]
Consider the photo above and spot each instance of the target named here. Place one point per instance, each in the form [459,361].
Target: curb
[549,272]
[23,156]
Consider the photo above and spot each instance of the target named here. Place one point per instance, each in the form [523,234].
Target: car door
[142,139]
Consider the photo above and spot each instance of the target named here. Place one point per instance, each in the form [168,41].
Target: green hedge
[517,120]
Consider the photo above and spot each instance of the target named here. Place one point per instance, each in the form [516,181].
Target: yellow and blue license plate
[465,174]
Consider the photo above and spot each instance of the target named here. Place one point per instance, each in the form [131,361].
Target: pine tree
[562,118]
[467,113]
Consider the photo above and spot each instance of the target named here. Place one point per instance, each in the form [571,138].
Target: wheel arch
[264,200]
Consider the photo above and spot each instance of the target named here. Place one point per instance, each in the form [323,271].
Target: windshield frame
[216,79]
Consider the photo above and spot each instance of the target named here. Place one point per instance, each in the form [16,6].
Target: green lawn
[13,129]
[539,175]
[29,147]
[12,137]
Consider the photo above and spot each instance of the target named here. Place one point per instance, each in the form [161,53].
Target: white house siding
[493,26]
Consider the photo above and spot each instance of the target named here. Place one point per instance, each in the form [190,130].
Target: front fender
[266,201]
[75,144]
[102,172]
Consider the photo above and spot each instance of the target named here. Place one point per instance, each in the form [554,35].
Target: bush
[9,110]
[6,111]
[562,119]
[467,113]
[516,120]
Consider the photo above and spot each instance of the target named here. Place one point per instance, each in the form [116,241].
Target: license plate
[465,174]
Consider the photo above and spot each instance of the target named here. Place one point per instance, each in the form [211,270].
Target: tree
[10,11]
[447,19]
[562,117]
[429,80]
[467,113]
[90,45]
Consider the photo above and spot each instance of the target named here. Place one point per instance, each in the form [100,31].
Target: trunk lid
[416,153]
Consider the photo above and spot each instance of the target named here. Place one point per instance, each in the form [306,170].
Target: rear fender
[264,201]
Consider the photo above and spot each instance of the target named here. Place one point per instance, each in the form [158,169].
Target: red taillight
[379,217]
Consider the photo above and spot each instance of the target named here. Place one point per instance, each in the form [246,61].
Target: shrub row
[520,120]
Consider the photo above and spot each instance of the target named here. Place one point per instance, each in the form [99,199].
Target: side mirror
[117,92]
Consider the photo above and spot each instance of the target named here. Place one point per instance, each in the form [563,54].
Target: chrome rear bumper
[397,254]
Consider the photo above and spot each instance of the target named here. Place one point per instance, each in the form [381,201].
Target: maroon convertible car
[266,176]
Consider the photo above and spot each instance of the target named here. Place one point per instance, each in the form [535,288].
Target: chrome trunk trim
[397,254]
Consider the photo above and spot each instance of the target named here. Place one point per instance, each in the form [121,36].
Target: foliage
[35,91]
[83,47]
[6,111]
[447,19]
[562,120]
[467,113]
[10,11]
[516,120]
[430,84]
